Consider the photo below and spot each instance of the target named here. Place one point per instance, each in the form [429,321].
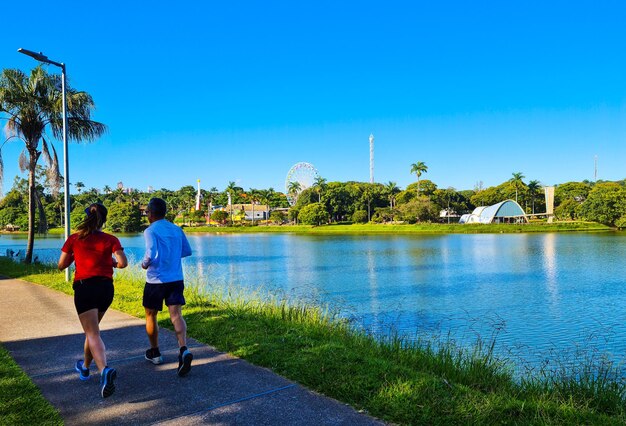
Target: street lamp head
[39,56]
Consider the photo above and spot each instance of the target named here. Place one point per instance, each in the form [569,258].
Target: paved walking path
[40,328]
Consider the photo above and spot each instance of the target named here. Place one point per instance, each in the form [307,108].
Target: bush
[219,216]
[359,216]
[278,217]
[314,214]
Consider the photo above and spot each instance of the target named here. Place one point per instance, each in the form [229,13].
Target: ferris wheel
[304,174]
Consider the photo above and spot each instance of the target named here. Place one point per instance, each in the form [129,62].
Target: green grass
[21,402]
[423,228]
[396,380]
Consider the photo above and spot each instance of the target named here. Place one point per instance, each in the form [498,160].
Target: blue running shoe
[107,379]
[184,362]
[82,371]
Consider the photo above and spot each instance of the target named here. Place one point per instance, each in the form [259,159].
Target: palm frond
[23,161]
[53,173]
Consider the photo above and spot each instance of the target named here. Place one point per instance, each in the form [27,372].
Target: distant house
[507,211]
[260,210]
[9,227]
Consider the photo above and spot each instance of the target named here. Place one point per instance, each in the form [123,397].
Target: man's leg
[152,327]
[180,326]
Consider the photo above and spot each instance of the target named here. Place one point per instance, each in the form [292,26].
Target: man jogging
[166,245]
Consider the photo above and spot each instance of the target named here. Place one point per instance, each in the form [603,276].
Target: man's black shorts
[93,293]
[171,293]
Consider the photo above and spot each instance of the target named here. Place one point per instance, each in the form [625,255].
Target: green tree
[419,168]
[278,216]
[293,189]
[419,209]
[391,189]
[124,217]
[360,216]
[319,184]
[220,216]
[517,181]
[313,214]
[606,203]
[533,189]
[31,105]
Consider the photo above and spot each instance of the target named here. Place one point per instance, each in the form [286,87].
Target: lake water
[540,293]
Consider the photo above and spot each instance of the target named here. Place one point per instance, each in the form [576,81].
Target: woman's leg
[94,346]
[88,356]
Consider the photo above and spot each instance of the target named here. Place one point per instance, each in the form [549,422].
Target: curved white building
[507,211]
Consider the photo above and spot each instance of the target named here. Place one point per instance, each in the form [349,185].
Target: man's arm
[151,249]
[186,249]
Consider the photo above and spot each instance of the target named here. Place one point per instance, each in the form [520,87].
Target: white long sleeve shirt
[166,245]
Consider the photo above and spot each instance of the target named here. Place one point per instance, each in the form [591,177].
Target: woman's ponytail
[96,217]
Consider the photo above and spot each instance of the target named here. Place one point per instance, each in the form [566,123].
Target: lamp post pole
[66,166]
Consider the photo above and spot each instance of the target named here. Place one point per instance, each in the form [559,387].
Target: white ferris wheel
[300,177]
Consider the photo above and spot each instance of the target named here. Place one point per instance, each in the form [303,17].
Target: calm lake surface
[541,294]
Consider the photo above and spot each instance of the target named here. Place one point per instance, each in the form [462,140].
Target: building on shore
[507,211]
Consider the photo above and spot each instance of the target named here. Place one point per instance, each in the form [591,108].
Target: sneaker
[107,379]
[154,356]
[184,362]
[82,371]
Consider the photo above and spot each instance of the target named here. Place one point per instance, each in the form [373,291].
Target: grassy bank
[425,228]
[21,402]
[396,381]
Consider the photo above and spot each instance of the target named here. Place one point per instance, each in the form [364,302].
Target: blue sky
[241,91]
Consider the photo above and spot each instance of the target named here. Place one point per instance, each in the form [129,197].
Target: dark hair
[157,207]
[96,216]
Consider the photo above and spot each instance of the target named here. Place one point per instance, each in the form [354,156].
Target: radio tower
[371,158]
[595,168]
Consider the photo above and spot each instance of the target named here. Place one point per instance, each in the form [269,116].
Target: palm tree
[79,186]
[254,197]
[533,187]
[32,105]
[232,189]
[294,189]
[517,181]
[419,168]
[391,189]
[319,184]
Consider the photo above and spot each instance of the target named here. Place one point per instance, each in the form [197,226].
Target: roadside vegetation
[21,402]
[403,382]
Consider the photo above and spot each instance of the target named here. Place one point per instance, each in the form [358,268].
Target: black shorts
[93,293]
[171,293]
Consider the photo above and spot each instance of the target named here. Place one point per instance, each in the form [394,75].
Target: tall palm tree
[517,181]
[32,105]
[294,189]
[232,189]
[254,197]
[319,184]
[391,189]
[419,168]
[533,187]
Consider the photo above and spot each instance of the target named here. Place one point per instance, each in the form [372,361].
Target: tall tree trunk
[43,222]
[33,156]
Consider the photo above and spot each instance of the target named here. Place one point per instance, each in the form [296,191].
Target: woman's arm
[65,260]
[120,257]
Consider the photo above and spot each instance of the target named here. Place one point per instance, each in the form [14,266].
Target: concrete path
[40,328]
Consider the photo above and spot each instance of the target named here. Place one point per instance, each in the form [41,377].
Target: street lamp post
[66,167]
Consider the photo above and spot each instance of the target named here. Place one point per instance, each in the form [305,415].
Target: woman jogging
[92,250]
